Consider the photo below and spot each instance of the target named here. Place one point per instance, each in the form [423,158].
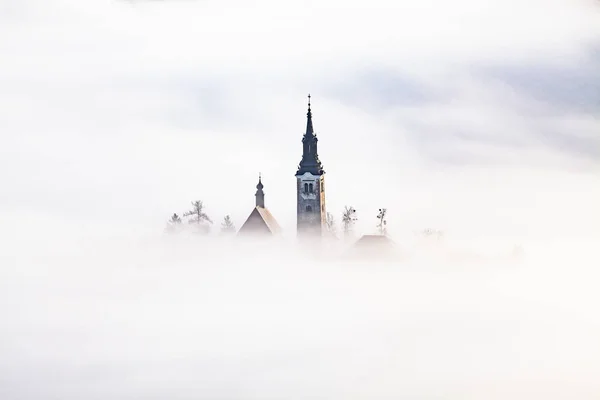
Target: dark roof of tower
[310,158]
[309,125]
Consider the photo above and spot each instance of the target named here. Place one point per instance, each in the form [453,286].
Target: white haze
[478,118]
[186,318]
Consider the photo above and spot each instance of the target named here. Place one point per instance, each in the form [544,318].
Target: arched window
[308,209]
[310,188]
[306,188]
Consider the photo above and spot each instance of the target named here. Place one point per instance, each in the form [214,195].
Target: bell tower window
[308,209]
[306,188]
[310,188]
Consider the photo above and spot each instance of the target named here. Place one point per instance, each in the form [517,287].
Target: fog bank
[187,317]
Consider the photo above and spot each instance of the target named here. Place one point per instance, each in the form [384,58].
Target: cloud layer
[184,318]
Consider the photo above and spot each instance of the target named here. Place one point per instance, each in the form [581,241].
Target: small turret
[260,195]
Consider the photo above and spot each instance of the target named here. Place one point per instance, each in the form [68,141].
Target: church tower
[310,185]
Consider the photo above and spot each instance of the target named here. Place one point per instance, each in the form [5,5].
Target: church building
[310,186]
[310,195]
[260,222]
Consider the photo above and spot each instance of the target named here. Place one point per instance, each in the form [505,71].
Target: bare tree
[381,225]
[198,216]
[330,224]
[348,219]
[227,225]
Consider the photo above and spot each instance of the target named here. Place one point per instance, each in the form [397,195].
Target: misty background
[466,117]
[478,118]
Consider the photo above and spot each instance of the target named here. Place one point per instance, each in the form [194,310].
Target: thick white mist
[187,317]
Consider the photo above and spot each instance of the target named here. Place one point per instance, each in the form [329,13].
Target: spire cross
[309,100]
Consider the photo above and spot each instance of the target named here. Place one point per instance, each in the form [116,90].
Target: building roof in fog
[374,240]
[269,219]
[260,221]
[371,247]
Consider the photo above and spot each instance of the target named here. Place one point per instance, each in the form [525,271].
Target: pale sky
[466,116]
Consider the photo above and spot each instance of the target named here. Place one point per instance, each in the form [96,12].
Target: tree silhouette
[348,219]
[330,224]
[381,225]
[174,224]
[227,225]
[175,219]
[198,216]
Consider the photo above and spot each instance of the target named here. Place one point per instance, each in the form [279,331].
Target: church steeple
[310,185]
[260,195]
[309,125]
[310,158]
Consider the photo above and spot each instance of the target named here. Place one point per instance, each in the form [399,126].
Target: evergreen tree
[175,220]
[198,216]
[227,225]
[174,224]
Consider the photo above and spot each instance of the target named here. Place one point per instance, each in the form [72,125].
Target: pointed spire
[309,125]
[260,185]
[260,195]
[310,157]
